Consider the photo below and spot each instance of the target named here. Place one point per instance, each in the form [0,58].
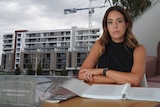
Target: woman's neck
[117,40]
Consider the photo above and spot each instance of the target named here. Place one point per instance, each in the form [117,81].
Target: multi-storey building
[52,49]
[8,51]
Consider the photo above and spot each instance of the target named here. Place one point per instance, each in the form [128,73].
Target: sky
[35,15]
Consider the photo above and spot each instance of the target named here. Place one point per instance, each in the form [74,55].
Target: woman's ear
[127,24]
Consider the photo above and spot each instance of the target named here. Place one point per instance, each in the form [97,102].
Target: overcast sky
[36,15]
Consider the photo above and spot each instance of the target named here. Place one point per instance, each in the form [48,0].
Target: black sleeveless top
[117,56]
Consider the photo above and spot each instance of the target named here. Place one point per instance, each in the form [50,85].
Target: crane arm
[74,10]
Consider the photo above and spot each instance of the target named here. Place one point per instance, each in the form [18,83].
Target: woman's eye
[109,22]
[120,21]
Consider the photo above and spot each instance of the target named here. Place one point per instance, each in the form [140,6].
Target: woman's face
[116,26]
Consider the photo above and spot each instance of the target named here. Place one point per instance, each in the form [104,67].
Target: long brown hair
[129,38]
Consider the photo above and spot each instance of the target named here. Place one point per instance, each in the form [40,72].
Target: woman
[116,57]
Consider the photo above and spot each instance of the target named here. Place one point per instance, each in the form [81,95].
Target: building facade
[7,59]
[51,49]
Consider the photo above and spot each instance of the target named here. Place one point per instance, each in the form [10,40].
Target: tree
[30,70]
[64,72]
[39,70]
[134,7]
[17,71]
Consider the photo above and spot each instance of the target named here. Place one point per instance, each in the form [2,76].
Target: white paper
[125,90]
[104,91]
[76,86]
[109,91]
[150,94]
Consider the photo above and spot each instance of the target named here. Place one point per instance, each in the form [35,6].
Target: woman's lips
[115,32]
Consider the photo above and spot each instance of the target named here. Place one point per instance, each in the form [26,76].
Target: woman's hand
[89,73]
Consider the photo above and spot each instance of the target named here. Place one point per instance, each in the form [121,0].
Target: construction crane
[91,10]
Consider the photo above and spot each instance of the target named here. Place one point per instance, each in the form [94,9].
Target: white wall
[147,29]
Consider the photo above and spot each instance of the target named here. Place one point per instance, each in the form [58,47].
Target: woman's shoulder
[140,48]
[97,46]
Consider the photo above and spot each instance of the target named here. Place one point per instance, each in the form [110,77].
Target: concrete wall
[147,29]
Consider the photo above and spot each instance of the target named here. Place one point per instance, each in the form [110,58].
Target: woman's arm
[91,60]
[88,70]
[134,77]
[102,79]
[137,71]
[95,76]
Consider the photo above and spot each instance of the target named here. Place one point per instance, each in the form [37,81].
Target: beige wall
[147,29]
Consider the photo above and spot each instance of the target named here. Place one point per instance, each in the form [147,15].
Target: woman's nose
[115,25]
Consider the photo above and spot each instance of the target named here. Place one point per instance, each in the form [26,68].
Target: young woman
[116,57]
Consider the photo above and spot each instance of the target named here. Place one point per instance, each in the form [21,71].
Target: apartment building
[52,49]
[7,59]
